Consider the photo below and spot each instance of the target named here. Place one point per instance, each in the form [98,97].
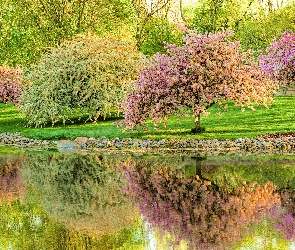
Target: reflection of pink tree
[284,216]
[287,226]
[195,209]
[11,186]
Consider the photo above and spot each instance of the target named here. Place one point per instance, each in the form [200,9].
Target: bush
[84,76]
[10,84]
[279,62]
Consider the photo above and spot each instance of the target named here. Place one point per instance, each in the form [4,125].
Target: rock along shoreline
[240,146]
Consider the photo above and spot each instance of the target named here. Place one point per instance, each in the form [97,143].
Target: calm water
[71,201]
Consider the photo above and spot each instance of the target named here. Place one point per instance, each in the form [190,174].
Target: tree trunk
[198,121]
[199,168]
[199,160]
[181,12]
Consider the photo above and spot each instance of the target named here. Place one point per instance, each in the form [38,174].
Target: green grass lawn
[233,123]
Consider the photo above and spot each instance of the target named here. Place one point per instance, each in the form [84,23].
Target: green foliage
[84,76]
[28,27]
[257,33]
[188,15]
[156,33]
[146,14]
[19,34]
[211,15]
[255,27]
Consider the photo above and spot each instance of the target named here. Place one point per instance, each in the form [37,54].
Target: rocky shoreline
[284,144]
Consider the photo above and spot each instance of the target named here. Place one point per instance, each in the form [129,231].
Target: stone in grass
[66,144]
[81,140]
[118,144]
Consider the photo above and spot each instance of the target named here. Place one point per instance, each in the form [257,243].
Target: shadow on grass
[207,134]
[8,113]
[80,121]
[163,133]
[13,123]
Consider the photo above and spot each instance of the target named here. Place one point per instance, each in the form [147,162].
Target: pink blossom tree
[207,69]
[10,84]
[279,62]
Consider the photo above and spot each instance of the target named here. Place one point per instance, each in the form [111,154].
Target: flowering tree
[10,84]
[279,63]
[206,70]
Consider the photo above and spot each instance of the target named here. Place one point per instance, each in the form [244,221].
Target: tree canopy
[207,69]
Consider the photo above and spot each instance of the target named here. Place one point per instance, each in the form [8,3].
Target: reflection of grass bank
[9,150]
[232,170]
[233,124]
[282,174]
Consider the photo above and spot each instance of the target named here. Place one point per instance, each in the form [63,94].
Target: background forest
[29,27]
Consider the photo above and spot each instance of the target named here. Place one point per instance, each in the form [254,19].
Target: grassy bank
[233,123]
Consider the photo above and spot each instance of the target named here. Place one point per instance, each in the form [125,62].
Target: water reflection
[58,201]
[71,202]
[196,209]
[11,186]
